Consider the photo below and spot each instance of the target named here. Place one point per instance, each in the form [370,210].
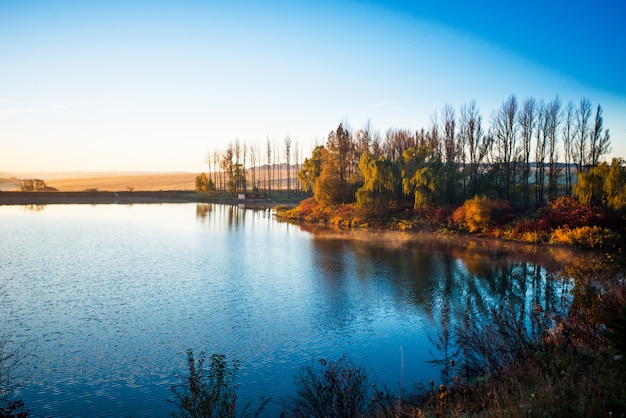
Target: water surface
[110,297]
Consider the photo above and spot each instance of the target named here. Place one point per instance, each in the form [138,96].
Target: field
[144,182]
[130,182]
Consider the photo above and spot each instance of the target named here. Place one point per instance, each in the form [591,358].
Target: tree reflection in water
[492,302]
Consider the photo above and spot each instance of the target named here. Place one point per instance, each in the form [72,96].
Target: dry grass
[138,182]
[143,182]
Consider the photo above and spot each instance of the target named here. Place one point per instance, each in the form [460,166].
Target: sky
[134,85]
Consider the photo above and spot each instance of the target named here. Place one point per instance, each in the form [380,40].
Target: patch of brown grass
[139,182]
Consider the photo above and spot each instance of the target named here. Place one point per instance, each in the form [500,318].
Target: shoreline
[94,198]
[8,198]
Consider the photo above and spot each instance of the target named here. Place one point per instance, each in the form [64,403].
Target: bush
[344,215]
[481,213]
[207,392]
[569,213]
[14,409]
[584,236]
[333,389]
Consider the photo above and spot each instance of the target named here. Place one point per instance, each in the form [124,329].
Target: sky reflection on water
[111,297]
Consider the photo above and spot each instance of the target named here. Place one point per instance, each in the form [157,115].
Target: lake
[108,298]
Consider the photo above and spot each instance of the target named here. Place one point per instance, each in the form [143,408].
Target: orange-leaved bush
[480,213]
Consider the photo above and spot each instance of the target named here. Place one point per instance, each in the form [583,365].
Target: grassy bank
[563,221]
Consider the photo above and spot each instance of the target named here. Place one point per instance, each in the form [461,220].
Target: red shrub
[565,212]
[523,226]
[442,214]
[307,205]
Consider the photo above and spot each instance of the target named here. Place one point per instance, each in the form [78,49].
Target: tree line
[527,153]
[241,167]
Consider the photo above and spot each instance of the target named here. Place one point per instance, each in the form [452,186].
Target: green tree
[381,184]
[590,187]
[604,185]
[615,186]
[311,169]
[420,174]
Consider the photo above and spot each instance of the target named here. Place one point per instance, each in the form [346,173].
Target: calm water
[110,297]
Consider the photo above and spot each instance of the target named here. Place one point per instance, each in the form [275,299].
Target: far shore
[46,198]
[165,196]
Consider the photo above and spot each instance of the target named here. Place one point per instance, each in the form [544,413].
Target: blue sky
[155,85]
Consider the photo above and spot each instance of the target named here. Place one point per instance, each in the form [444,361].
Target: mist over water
[110,297]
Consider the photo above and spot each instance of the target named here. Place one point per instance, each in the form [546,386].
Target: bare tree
[275,166]
[569,132]
[543,121]
[527,122]
[599,144]
[474,138]
[451,152]
[268,179]
[208,159]
[583,114]
[296,159]
[253,157]
[433,136]
[287,151]
[504,125]
[397,141]
[363,139]
[227,164]
[554,111]
[244,167]
[217,178]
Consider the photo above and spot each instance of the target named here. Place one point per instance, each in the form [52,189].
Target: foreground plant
[207,391]
[332,389]
[13,409]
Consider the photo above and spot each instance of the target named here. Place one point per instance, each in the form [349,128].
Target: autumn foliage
[480,213]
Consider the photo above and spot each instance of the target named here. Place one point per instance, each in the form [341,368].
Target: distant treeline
[526,153]
[241,167]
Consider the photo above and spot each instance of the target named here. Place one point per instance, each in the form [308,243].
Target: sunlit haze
[155,85]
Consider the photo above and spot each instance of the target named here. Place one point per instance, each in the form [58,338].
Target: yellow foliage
[532,237]
[585,236]
[474,215]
